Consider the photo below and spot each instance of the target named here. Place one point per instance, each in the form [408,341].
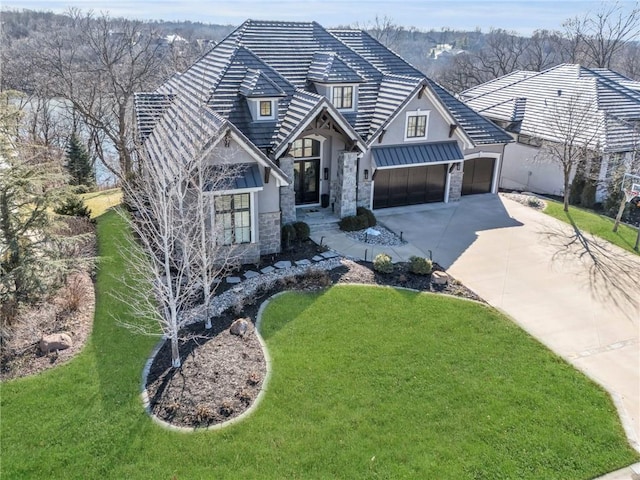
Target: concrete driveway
[577,295]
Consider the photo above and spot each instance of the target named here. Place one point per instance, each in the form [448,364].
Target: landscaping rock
[439,278]
[330,254]
[234,279]
[56,341]
[239,327]
[282,264]
[251,274]
[303,262]
[268,269]
[317,258]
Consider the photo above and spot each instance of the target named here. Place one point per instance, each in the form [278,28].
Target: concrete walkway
[577,294]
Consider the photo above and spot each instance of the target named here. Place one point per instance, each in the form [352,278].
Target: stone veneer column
[345,193]
[364,193]
[269,224]
[287,193]
[455,184]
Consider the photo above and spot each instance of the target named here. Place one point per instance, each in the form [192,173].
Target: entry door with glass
[306,170]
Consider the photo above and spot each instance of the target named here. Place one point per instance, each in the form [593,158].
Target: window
[343,97]
[305,148]
[233,217]
[416,126]
[265,108]
[529,140]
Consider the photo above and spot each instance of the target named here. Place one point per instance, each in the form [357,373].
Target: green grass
[367,383]
[100,201]
[598,225]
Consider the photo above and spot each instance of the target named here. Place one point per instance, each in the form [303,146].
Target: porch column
[346,184]
[455,183]
[287,193]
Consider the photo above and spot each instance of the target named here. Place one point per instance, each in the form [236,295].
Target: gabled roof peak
[328,67]
[257,84]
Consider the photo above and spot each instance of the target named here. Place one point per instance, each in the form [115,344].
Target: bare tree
[97,64]
[179,249]
[576,127]
[603,34]
[384,30]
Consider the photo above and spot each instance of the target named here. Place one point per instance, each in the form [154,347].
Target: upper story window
[417,125]
[266,108]
[263,109]
[342,97]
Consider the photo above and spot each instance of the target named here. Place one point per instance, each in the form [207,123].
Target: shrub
[73,206]
[420,265]
[365,212]
[302,231]
[382,263]
[288,235]
[353,223]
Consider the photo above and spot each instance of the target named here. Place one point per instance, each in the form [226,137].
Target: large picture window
[416,126]
[233,218]
[343,97]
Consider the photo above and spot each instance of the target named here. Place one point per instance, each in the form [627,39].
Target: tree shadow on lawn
[612,273]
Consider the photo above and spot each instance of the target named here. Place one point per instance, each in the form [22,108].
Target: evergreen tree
[79,164]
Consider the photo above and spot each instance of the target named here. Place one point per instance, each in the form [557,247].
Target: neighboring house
[527,104]
[324,118]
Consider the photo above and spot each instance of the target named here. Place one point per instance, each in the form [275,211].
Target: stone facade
[455,185]
[345,187]
[269,232]
[364,193]
[287,193]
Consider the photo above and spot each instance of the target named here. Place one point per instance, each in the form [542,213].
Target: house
[534,107]
[323,118]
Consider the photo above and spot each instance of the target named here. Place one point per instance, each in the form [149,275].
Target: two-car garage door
[409,185]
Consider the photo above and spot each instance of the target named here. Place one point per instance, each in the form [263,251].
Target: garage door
[409,186]
[478,176]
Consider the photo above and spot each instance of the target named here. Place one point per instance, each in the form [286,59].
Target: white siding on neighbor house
[523,169]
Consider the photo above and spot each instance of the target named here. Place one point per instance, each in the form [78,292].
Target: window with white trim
[342,97]
[416,125]
[266,108]
[233,218]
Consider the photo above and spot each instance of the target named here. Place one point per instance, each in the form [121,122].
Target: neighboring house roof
[286,60]
[416,154]
[532,102]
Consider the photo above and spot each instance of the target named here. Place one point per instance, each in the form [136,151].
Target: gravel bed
[386,237]
[527,199]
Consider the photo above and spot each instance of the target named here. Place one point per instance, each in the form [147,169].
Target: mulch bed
[222,374]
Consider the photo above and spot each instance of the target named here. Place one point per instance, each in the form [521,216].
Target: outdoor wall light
[326,174]
[458,165]
[366,174]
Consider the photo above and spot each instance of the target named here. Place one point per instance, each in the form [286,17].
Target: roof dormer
[336,80]
[262,95]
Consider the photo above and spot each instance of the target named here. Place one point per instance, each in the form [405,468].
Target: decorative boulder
[56,341]
[439,278]
[239,327]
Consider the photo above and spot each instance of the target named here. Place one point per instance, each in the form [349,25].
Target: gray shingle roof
[328,67]
[537,99]
[255,84]
[282,59]
[416,154]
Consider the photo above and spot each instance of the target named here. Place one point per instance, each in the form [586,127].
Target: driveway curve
[577,294]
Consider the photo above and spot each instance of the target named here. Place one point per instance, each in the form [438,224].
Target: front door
[306,175]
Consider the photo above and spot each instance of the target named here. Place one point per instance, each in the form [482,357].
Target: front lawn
[598,225]
[368,382]
[102,200]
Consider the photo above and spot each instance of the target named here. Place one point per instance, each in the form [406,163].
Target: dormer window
[266,109]
[342,97]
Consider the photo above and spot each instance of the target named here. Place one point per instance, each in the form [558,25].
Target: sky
[521,16]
